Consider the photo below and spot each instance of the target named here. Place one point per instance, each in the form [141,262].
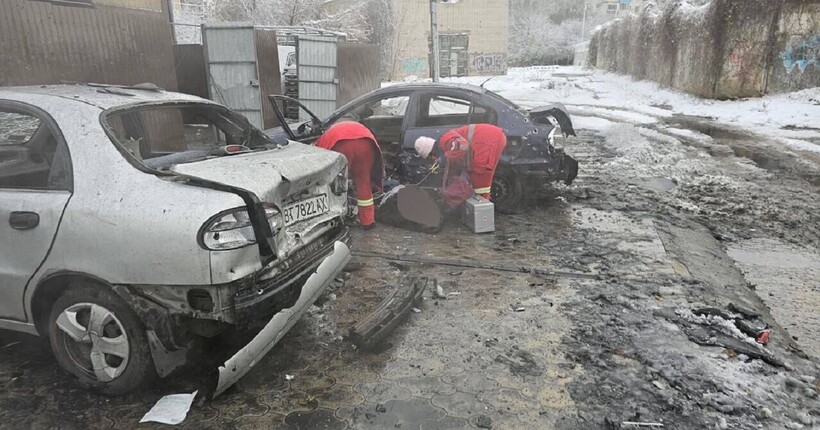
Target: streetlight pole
[436,55]
[584,23]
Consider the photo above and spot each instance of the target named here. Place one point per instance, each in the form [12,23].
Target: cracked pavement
[590,351]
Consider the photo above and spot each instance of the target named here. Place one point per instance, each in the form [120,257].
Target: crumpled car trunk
[271,175]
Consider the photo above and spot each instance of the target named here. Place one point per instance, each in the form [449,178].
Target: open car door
[294,129]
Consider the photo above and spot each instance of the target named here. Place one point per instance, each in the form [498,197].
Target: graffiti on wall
[801,54]
[488,63]
[740,63]
[414,66]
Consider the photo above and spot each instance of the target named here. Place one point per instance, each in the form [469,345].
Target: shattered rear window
[162,136]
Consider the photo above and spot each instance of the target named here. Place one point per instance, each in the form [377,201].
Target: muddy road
[667,236]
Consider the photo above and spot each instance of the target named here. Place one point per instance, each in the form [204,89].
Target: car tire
[508,192]
[122,353]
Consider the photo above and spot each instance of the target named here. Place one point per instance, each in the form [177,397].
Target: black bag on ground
[410,208]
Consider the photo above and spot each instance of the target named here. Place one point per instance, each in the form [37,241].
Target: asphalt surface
[607,340]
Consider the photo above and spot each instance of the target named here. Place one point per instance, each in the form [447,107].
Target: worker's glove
[435,167]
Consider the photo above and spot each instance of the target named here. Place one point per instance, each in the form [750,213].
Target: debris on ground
[391,312]
[484,422]
[712,327]
[440,294]
[517,308]
[171,409]
[631,424]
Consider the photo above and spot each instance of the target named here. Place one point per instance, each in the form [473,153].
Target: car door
[35,186]
[437,113]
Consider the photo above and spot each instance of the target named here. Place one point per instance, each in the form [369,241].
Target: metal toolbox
[479,214]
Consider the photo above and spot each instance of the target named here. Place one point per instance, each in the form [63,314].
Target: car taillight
[233,229]
[339,184]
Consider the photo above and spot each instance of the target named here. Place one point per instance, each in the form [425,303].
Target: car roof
[100,96]
[415,86]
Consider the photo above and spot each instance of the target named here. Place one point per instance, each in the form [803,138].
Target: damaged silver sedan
[136,221]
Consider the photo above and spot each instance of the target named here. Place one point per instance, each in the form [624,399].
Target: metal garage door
[233,76]
[316,68]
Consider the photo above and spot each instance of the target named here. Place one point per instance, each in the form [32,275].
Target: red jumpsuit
[364,160]
[488,143]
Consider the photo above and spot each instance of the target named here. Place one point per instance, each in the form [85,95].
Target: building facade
[474,37]
[617,7]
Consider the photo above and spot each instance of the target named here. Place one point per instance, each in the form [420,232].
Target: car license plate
[306,209]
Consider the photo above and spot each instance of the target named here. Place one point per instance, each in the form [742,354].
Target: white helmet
[424,146]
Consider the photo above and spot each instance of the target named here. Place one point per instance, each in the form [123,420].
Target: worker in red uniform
[486,142]
[364,161]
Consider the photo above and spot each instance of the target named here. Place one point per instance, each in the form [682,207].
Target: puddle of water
[743,144]
[788,281]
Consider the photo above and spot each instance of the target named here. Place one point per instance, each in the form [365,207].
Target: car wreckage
[398,115]
[136,221]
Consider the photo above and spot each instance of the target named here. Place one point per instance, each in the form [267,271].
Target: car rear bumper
[244,360]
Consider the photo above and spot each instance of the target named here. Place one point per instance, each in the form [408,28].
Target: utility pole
[584,23]
[436,55]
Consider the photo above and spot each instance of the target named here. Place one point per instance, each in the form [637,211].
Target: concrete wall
[725,49]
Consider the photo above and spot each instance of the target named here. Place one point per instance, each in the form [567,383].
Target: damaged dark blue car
[398,115]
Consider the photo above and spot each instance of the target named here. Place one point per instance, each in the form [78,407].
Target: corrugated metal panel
[359,70]
[44,43]
[233,78]
[316,66]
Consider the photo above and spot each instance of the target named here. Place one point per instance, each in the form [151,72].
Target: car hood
[272,175]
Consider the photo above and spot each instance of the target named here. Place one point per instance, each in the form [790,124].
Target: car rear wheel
[507,193]
[97,338]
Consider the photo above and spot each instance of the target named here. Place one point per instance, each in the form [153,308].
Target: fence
[45,43]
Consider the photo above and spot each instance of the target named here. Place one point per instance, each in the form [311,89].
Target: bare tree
[546,32]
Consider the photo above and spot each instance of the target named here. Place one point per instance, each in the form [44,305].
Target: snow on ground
[793,119]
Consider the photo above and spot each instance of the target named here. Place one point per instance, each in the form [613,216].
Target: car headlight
[233,229]
[339,184]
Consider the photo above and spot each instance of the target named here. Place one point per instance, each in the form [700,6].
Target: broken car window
[30,155]
[17,129]
[162,136]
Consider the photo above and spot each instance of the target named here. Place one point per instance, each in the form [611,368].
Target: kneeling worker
[486,142]
[364,160]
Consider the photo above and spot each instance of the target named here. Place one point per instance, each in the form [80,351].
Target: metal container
[479,214]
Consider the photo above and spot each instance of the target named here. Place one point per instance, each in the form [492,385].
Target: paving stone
[316,419]
[382,391]
[473,382]
[268,421]
[284,403]
[351,374]
[336,397]
[413,412]
[239,404]
[426,387]
[446,423]
[461,405]
[368,417]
